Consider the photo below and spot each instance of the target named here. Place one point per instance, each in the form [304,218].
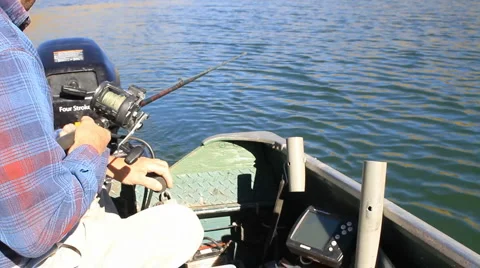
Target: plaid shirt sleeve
[43,192]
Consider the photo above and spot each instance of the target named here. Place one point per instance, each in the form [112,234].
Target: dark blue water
[394,81]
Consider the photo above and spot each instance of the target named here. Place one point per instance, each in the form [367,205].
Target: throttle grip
[160,179]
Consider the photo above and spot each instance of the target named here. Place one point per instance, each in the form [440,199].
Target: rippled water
[395,81]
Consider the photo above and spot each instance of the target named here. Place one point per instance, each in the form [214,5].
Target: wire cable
[147,193]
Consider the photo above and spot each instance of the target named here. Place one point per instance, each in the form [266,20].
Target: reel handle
[133,155]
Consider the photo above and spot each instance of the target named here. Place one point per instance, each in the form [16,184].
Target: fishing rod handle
[66,141]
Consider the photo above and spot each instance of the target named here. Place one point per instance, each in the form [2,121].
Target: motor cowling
[74,68]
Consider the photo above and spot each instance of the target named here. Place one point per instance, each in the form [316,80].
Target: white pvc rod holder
[371,213]
[296,164]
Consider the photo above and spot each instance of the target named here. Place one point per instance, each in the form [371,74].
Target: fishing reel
[119,107]
[122,108]
[115,107]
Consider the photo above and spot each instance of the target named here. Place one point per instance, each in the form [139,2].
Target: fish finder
[322,237]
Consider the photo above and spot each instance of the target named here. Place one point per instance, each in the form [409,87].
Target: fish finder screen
[315,230]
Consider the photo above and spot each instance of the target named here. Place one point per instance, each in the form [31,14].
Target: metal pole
[296,164]
[371,213]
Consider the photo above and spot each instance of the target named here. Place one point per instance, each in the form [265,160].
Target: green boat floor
[214,187]
[219,173]
[222,173]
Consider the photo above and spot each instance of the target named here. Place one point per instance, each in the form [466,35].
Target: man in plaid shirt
[51,212]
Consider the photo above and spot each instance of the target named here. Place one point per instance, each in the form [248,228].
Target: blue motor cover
[74,67]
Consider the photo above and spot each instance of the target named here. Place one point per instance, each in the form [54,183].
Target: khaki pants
[161,236]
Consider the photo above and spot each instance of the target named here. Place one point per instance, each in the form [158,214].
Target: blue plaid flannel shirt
[43,192]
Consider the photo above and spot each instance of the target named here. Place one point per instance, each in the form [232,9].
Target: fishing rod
[182,82]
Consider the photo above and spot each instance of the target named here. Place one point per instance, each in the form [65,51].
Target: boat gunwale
[446,245]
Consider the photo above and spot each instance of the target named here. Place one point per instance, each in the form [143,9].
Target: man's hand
[67,129]
[89,133]
[136,174]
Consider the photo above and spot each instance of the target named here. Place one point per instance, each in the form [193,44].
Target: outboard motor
[74,68]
